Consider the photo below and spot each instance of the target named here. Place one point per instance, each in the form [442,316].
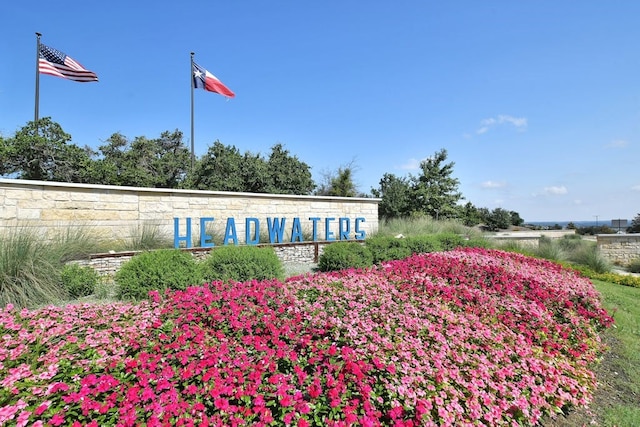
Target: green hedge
[156,270]
[386,248]
[79,281]
[344,255]
[241,263]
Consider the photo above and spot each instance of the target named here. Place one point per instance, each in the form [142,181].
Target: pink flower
[222,404]
[57,419]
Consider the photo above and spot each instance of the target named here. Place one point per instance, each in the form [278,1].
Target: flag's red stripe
[66,72]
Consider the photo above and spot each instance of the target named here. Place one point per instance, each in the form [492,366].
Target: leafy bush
[450,241]
[343,255]
[241,263]
[79,281]
[386,248]
[424,244]
[156,270]
[477,242]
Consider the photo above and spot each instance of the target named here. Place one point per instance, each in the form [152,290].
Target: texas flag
[202,79]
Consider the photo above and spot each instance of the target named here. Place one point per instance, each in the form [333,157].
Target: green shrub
[242,263]
[156,270]
[344,255]
[478,242]
[387,248]
[423,244]
[79,281]
[449,241]
[634,265]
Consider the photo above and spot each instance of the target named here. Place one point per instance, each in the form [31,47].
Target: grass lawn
[617,399]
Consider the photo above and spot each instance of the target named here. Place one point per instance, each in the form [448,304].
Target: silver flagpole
[193,156]
[35,119]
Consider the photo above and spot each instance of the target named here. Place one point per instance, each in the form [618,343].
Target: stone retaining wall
[620,249]
[118,213]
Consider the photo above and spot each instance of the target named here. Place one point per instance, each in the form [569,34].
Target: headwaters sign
[276,229]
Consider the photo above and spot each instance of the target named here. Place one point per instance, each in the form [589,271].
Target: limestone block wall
[118,213]
[620,249]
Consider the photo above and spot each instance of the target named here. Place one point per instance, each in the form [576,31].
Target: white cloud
[618,143]
[411,164]
[636,187]
[493,184]
[520,123]
[555,190]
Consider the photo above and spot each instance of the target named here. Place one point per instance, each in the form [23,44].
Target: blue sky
[536,102]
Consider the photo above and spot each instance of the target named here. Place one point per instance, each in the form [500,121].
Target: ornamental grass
[461,338]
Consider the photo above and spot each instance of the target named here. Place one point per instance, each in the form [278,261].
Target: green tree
[516,219]
[42,151]
[255,173]
[470,215]
[635,225]
[498,219]
[287,174]
[339,183]
[220,169]
[395,195]
[172,160]
[435,190]
[161,162]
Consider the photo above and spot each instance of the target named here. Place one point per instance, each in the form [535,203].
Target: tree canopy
[434,192]
[43,151]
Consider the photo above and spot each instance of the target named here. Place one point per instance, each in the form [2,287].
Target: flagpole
[192,142]
[37,79]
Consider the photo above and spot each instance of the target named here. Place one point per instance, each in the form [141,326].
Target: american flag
[55,63]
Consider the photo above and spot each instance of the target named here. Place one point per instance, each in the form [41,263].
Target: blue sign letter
[276,229]
[344,227]
[247,231]
[315,227]
[176,233]
[296,231]
[230,232]
[328,234]
[206,241]
[360,234]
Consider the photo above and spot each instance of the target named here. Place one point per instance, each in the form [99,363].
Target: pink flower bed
[461,338]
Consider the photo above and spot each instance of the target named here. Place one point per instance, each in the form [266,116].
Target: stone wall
[119,213]
[620,249]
